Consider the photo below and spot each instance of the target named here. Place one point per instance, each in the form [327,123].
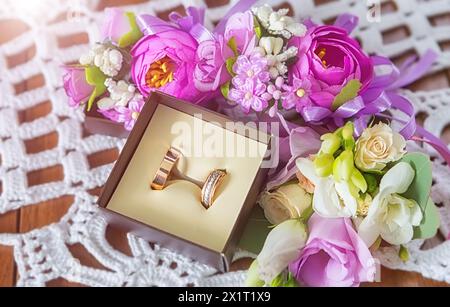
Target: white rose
[285,203]
[377,147]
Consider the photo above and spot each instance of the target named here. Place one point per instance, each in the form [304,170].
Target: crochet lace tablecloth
[43,255]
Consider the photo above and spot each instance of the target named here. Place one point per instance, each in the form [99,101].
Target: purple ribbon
[192,23]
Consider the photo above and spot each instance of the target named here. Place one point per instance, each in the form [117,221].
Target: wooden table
[29,218]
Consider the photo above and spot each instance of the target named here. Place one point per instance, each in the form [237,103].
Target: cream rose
[287,202]
[378,146]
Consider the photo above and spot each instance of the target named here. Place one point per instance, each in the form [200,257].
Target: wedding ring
[168,171]
[210,187]
[165,170]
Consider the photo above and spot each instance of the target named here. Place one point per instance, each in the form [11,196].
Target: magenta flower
[334,256]
[76,86]
[210,72]
[332,58]
[115,25]
[129,115]
[165,61]
[241,27]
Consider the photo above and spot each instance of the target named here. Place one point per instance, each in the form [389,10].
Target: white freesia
[391,216]
[282,246]
[331,199]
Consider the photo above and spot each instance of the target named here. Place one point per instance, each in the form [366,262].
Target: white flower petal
[416,215]
[282,246]
[401,235]
[351,204]
[369,232]
[326,202]
[306,167]
[397,179]
[106,103]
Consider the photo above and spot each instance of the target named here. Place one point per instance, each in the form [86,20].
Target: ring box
[96,123]
[174,217]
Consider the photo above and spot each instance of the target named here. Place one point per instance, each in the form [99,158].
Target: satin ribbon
[192,23]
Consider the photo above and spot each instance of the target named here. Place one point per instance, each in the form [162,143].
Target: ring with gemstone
[210,187]
[168,171]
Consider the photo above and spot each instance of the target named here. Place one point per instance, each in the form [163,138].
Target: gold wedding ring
[168,171]
[165,170]
[210,187]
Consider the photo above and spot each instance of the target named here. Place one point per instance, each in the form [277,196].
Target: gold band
[210,187]
[165,170]
[168,171]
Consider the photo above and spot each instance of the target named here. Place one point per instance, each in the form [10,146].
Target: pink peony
[115,25]
[334,256]
[332,58]
[165,61]
[76,86]
[211,72]
[240,26]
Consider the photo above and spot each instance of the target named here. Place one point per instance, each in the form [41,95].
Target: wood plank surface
[49,212]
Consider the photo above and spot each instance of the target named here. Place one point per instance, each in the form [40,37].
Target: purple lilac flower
[250,83]
[250,95]
[298,94]
[129,115]
[253,67]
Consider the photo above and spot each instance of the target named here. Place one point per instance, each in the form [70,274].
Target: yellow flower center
[321,54]
[250,73]
[160,73]
[301,93]
[135,115]
[248,96]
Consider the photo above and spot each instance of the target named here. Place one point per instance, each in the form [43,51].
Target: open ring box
[174,217]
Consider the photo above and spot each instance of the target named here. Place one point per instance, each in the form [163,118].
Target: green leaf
[253,279]
[430,223]
[372,183]
[134,35]
[403,253]
[96,78]
[420,188]
[349,92]
[284,280]
[233,45]
[258,28]
[230,63]
[225,89]
[256,232]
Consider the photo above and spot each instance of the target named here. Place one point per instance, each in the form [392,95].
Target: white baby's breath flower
[108,59]
[272,48]
[120,94]
[279,23]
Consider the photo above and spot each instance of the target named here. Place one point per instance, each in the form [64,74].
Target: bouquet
[345,183]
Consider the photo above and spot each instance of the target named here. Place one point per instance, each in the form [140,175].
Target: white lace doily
[43,255]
